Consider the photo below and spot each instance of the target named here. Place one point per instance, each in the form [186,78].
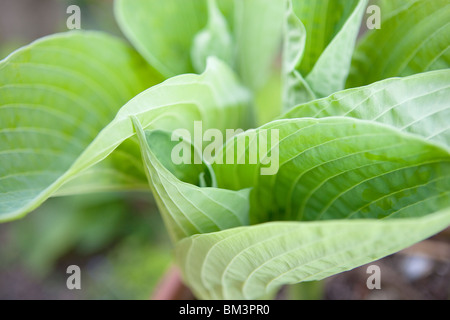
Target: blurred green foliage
[117,239]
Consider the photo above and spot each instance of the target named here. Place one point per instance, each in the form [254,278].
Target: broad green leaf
[188,209]
[121,171]
[331,69]
[295,88]
[259,30]
[56,94]
[417,104]
[393,7]
[163,146]
[323,20]
[337,168]
[414,40]
[162,31]
[215,97]
[294,33]
[258,36]
[214,40]
[322,64]
[251,262]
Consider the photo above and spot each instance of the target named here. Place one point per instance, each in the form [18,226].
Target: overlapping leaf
[379,190]
[393,7]
[323,19]
[51,114]
[374,162]
[332,27]
[338,168]
[253,262]
[295,89]
[55,96]
[258,37]
[417,104]
[415,38]
[164,31]
[188,209]
[215,40]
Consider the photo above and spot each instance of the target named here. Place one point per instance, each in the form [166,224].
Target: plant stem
[171,287]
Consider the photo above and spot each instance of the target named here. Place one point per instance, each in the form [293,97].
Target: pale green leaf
[251,262]
[162,31]
[337,168]
[188,209]
[393,7]
[215,97]
[323,61]
[295,88]
[56,94]
[331,69]
[417,104]
[121,171]
[259,36]
[162,145]
[323,20]
[214,40]
[413,40]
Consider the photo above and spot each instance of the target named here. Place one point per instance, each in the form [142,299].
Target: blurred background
[119,241]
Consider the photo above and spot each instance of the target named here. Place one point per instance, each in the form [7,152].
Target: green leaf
[215,97]
[163,143]
[251,262]
[337,168]
[294,40]
[417,104]
[258,36]
[162,31]
[214,40]
[331,69]
[188,209]
[259,26]
[323,20]
[393,7]
[318,65]
[56,94]
[413,40]
[120,171]
[295,88]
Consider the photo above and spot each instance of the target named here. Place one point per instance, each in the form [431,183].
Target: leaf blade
[162,37]
[186,208]
[183,99]
[337,168]
[332,68]
[54,100]
[414,39]
[248,262]
[415,104]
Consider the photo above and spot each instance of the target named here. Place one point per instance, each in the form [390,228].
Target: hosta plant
[362,131]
